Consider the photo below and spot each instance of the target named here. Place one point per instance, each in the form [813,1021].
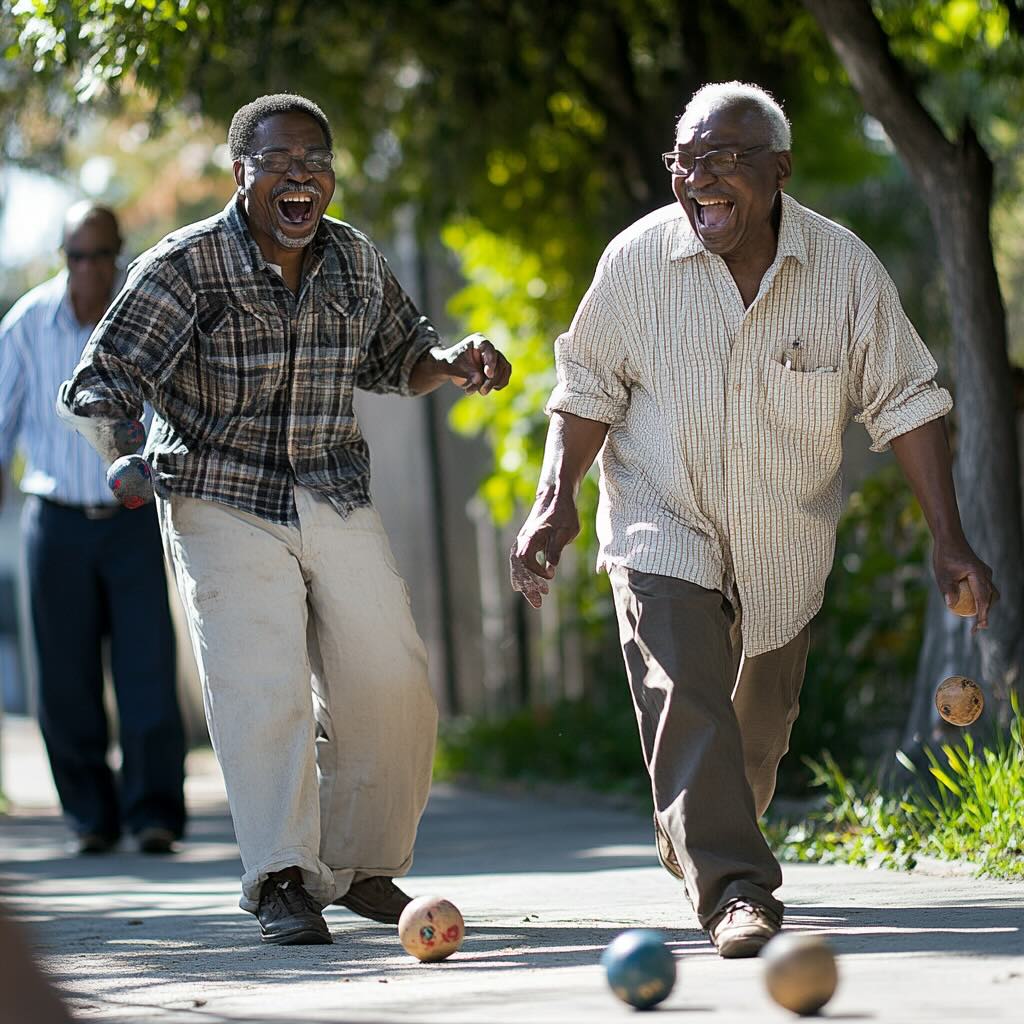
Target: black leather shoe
[93,842]
[377,898]
[289,916]
[155,839]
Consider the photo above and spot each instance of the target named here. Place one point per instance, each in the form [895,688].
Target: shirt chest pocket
[804,404]
[346,325]
[242,359]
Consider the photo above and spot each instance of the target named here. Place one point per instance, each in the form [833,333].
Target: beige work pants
[315,686]
[713,726]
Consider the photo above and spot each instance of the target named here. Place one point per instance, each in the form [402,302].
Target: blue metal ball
[640,968]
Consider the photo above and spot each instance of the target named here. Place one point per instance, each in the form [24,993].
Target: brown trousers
[714,726]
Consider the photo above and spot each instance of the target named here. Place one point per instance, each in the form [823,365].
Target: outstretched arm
[923,455]
[474,364]
[571,447]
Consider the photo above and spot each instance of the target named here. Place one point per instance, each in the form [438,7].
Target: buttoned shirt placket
[741,359]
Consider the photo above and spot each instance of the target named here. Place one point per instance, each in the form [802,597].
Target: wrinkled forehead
[736,125]
[291,130]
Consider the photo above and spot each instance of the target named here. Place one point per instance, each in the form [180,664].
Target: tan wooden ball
[800,971]
[959,700]
[964,604]
[431,928]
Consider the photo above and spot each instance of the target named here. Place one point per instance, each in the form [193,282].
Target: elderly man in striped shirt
[722,348]
[95,570]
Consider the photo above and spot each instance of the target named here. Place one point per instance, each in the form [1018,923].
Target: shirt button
[738,388]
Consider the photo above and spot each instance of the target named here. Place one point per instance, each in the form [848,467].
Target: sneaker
[155,839]
[666,852]
[93,842]
[377,898]
[288,915]
[742,928]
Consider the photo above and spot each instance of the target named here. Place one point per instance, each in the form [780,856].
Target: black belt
[89,511]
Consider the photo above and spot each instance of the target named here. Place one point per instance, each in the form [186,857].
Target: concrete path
[543,886]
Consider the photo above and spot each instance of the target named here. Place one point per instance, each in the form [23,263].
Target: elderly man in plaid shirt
[248,333]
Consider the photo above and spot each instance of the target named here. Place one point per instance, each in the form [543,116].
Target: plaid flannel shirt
[251,384]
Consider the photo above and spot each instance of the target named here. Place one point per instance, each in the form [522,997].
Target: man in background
[95,570]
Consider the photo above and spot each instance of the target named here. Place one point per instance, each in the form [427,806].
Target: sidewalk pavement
[544,886]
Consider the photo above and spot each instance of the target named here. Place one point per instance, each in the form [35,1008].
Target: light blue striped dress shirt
[40,345]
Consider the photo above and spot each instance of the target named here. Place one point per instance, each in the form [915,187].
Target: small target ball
[640,968]
[800,972]
[131,481]
[959,700]
[129,436]
[431,928]
[964,605]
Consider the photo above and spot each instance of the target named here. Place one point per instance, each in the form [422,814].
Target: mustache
[285,188]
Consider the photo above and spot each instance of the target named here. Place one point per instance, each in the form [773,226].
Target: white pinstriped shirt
[722,465]
[40,344]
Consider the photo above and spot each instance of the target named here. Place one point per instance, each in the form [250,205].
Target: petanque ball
[129,436]
[800,971]
[640,968]
[131,481]
[959,700]
[431,928]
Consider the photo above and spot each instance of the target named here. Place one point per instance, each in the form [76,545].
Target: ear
[783,168]
[238,169]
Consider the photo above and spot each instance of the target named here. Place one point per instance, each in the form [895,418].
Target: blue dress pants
[91,578]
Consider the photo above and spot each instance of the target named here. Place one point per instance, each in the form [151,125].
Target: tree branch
[884,84]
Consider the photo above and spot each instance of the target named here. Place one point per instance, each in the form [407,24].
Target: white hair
[718,95]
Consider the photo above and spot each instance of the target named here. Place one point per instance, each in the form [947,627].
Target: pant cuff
[317,877]
[743,890]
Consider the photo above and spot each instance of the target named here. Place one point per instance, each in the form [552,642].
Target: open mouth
[713,213]
[296,207]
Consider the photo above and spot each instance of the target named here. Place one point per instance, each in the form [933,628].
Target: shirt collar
[247,253]
[792,241]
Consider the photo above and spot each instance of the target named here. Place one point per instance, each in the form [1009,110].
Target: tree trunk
[956,182]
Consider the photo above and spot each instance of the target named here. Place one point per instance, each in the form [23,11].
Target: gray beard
[287,242]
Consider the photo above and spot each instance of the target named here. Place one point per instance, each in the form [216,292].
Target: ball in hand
[131,481]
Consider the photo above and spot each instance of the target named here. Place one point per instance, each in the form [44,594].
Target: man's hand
[952,564]
[475,361]
[552,524]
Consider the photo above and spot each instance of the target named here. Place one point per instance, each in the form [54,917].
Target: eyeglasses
[718,162]
[277,161]
[89,255]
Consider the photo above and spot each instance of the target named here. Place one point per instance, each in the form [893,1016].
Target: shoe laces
[293,897]
[745,907]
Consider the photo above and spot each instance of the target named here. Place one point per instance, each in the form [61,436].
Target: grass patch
[967,806]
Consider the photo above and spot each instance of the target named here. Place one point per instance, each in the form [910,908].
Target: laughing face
[733,214]
[284,208]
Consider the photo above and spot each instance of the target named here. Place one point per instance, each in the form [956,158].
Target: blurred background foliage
[523,135]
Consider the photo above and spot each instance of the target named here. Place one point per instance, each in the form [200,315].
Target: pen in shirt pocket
[792,356]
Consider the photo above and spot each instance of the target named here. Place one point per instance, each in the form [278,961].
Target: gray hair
[719,95]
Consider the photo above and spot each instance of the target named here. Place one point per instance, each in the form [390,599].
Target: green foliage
[866,639]
[969,807]
[571,742]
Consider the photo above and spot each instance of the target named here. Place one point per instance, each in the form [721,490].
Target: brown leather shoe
[377,898]
[155,839]
[742,928]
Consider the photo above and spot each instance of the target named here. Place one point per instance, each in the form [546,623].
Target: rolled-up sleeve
[138,342]
[892,373]
[590,362]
